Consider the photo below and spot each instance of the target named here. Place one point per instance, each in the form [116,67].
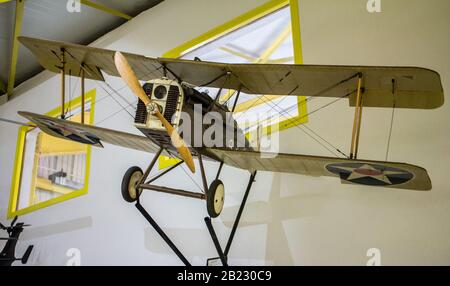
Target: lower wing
[88,134]
[362,172]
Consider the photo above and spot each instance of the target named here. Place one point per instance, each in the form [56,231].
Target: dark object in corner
[7,256]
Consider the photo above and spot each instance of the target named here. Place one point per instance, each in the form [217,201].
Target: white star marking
[67,131]
[369,171]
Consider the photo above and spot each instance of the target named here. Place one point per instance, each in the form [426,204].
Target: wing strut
[236,99]
[83,99]
[63,83]
[357,120]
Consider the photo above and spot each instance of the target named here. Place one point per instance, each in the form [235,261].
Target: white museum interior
[289,219]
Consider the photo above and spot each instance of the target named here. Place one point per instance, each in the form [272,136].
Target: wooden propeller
[127,74]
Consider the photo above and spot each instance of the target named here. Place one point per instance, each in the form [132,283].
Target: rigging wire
[85,68]
[187,173]
[286,112]
[71,93]
[304,126]
[293,120]
[114,113]
[310,98]
[323,139]
[16,122]
[276,104]
[192,179]
[227,73]
[112,97]
[392,120]
[133,104]
[70,96]
[125,108]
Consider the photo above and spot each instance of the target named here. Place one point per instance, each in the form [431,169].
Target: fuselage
[195,114]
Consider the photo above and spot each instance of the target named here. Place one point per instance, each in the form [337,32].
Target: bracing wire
[300,127]
[188,174]
[293,120]
[114,113]
[310,98]
[85,68]
[392,120]
[276,105]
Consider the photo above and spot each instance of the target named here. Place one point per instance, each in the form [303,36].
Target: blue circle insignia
[369,174]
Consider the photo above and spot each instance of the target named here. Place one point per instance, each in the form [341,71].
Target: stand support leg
[162,234]
[238,216]
[222,257]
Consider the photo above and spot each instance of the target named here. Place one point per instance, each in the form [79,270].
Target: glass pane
[52,167]
[267,40]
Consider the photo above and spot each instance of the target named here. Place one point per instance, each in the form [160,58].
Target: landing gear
[130,183]
[215,198]
[135,181]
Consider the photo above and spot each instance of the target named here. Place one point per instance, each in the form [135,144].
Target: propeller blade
[127,74]
[8,238]
[178,142]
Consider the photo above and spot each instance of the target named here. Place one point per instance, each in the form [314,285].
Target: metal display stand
[223,255]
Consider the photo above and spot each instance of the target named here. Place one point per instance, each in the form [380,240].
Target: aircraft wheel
[129,184]
[215,198]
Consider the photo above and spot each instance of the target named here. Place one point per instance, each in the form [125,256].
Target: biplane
[171,87]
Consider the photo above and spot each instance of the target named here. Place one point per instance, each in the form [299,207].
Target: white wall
[290,219]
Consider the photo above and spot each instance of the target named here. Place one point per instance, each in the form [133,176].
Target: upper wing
[93,59]
[364,172]
[88,134]
[414,87]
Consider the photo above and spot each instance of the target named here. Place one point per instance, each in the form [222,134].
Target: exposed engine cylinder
[169,95]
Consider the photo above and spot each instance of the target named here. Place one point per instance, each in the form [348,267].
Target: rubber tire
[126,181]
[210,195]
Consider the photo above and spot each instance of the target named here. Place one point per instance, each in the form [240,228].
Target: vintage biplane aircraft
[170,88]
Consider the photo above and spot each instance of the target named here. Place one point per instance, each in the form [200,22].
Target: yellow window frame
[18,163]
[234,24]
[245,19]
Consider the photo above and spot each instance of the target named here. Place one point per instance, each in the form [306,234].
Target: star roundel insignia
[72,133]
[369,174]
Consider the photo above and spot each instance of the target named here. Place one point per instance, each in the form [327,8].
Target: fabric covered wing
[363,172]
[414,87]
[88,134]
[95,60]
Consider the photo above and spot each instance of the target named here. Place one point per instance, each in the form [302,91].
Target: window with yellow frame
[268,34]
[49,170]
